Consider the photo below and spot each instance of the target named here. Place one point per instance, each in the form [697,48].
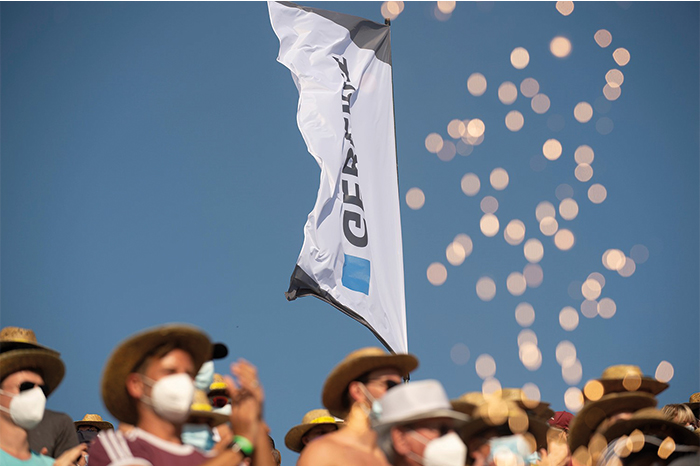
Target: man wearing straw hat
[314,424]
[350,392]
[29,372]
[90,426]
[148,382]
[417,426]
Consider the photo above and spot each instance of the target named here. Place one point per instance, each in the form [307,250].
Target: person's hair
[679,413]
[386,444]
[364,379]
[158,352]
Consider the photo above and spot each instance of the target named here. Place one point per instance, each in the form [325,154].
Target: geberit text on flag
[352,252]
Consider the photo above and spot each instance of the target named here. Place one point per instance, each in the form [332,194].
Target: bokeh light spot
[460,354]
[516,284]
[433,143]
[545,209]
[583,172]
[583,112]
[540,103]
[568,209]
[455,253]
[552,149]
[564,191]
[603,37]
[627,268]
[597,193]
[614,78]
[499,179]
[533,275]
[514,233]
[611,93]
[529,87]
[437,274]
[574,290]
[621,56]
[573,399]
[464,148]
[470,184]
[613,259]
[476,128]
[591,289]
[607,308]
[456,128]
[664,372]
[565,353]
[533,250]
[565,8]
[524,314]
[476,84]
[530,356]
[639,253]
[485,366]
[572,373]
[485,288]
[489,225]
[560,47]
[466,242]
[391,10]
[446,7]
[527,336]
[514,120]
[593,390]
[507,93]
[584,154]
[568,319]
[549,226]
[667,447]
[415,198]
[519,58]
[598,277]
[447,152]
[589,308]
[604,125]
[489,205]
[564,239]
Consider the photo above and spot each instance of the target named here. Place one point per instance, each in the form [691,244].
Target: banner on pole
[352,253]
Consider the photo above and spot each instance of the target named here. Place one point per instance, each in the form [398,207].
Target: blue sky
[152,172]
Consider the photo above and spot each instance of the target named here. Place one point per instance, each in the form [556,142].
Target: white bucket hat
[415,401]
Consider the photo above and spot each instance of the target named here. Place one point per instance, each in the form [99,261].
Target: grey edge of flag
[364,33]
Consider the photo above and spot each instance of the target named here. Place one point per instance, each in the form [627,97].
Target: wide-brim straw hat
[201,412]
[19,350]
[311,419]
[355,365]
[652,422]
[629,378]
[694,402]
[92,419]
[505,414]
[593,413]
[131,352]
[468,402]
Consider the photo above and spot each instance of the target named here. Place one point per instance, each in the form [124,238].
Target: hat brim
[47,363]
[655,426]
[293,437]
[466,408]
[206,417]
[132,351]
[346,372]
[647,384]
[458,417]
[537,427]
[592,414]
[99,425]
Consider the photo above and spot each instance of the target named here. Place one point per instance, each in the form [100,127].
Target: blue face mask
[199,436]
[205,376]
[376,411]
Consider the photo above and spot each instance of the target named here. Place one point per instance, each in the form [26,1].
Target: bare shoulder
[327,450]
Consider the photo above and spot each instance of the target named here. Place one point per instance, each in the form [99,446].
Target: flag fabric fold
[352,254]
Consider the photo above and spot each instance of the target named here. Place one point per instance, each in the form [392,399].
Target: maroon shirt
[138,447]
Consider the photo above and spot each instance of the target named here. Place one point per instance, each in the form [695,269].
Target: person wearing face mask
[148,382]
[29,372]
[417,426]
[351,392]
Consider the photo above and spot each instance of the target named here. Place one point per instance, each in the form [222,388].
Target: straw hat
[653,422]
[95,420]
[694,402]
[624,378]
[131,352]
[593,413]
[218,386]
[507,415]
[538,408]
[355,365]
[201,411]
[311,419]
[468,402]
[19,350]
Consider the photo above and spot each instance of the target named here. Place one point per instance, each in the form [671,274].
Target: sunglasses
[388,384]
[219,401]
[26,386]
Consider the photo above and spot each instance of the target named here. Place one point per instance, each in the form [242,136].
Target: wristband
[244,445]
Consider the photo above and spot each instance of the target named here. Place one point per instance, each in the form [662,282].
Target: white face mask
[27,407]
[445,450]
[171,396]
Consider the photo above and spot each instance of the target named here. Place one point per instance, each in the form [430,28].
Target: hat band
[323,420]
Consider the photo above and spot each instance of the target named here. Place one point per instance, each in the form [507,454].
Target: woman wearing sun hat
[29,372]
[314,424]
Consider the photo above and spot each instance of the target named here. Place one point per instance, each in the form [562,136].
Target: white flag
[352,253]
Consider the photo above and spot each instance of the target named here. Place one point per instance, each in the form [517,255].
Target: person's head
[417,426]
[314,424]
[150,376]
[29,372]
[681,414]
[362,377]
[90,426]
